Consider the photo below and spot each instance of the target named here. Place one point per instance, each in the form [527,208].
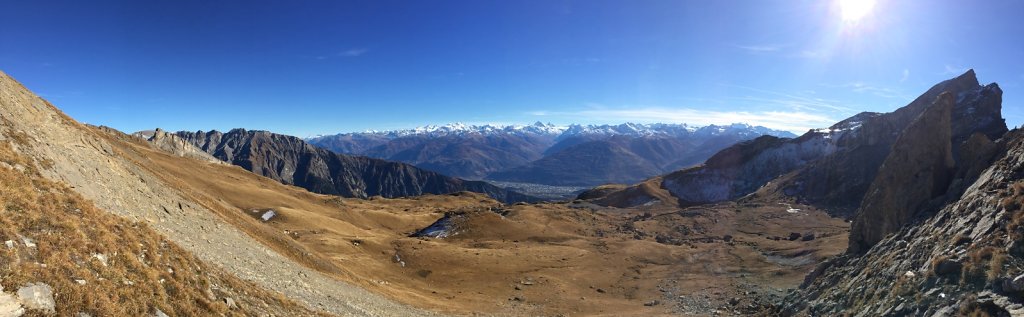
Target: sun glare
[854,10]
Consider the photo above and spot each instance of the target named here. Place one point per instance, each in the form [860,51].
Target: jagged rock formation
[966,258]
[174,144]
[833,168]
[920,164]
[292,161]
[939,233]
[840,181]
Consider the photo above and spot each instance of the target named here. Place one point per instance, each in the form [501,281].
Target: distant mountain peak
[561,132]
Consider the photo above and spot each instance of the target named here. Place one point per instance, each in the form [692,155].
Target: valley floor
[357,257]
[543,259]
[547,192]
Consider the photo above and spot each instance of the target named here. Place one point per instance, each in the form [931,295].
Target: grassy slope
[143,272]
[566,252]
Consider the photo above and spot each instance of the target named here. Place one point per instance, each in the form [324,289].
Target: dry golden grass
[982,265]
[143,271]
[566,252]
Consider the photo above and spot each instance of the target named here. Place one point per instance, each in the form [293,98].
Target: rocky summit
[961,259]
[292,161]
[831,168]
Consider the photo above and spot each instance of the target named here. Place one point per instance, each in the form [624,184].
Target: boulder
[37,296]
[9,305]
[793,236]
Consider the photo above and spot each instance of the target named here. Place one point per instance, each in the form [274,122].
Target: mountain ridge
[292,161]
[530,153]
[830,167]
[565,131]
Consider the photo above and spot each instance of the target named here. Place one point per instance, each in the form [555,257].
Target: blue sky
[337,66]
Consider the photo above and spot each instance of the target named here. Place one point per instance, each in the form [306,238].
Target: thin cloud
[759,48]
[863,88]
[953,70]
[812,54]
[793,121]
[793,101]
[355,52]
[906,75]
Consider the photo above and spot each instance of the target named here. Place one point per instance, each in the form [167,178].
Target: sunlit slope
[96,263]
[103,170]
[516,259]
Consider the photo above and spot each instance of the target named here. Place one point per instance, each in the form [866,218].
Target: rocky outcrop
[173,144]
[737,170]
[743,168]
[292,161]
[840,181]
[833,168]
[964,259]
[918,169]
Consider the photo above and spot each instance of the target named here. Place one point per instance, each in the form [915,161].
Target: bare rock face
[840,181]
[918,169]
[292,161]
[975,155]
[833,168]
[965,257]
[174,144]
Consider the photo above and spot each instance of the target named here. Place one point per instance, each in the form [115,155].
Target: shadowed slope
[292,161]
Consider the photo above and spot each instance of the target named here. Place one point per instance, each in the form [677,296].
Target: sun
[854,10]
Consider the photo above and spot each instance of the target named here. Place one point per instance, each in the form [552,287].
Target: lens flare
[854,10]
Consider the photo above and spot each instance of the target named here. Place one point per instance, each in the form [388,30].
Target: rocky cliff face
[917,170]
[291,160]
[832,168]
[939,232]
[174,144]
[840,181]
[964,259]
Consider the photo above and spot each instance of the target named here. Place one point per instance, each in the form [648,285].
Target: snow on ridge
[561,132]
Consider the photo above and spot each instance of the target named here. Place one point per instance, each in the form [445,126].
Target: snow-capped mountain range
[562,132]
[544,153]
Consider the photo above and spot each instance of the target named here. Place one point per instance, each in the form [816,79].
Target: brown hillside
[103,265]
